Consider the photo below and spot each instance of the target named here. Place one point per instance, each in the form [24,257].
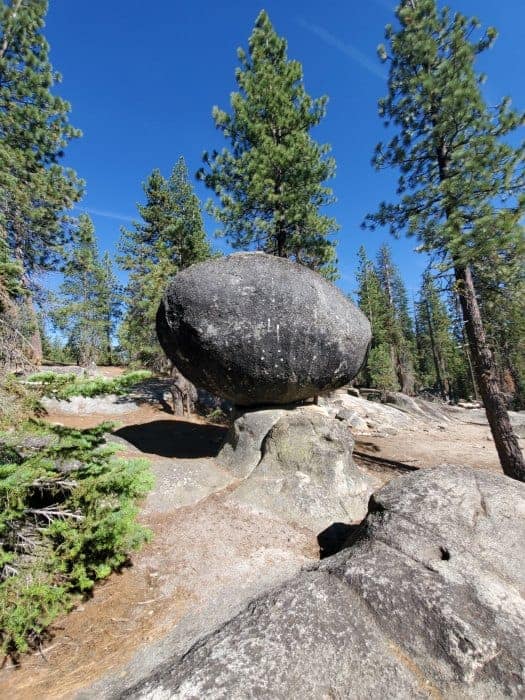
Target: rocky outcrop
[305,474]
[257,329]
[427,602]
[242,448]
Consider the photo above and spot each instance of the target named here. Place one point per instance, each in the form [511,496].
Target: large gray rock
[241,451]
[257,329]
[305,474]
[427,602]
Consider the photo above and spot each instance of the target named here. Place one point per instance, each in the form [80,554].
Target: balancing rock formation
[257,329]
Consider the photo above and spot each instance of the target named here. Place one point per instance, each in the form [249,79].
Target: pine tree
[34,131]
[379,371]
[399,322]
[441,362]
[10,279]
[502,300]
[270,183]
[186,237]
[109,303]
[462,182]
[169,238]
[80,315]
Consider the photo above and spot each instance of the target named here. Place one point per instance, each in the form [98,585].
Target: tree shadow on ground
[179,439]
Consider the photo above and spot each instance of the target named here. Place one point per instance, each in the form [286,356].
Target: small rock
[241,451]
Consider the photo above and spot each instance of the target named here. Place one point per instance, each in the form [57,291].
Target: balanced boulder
[257,329]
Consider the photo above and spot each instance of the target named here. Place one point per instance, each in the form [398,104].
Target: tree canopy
[270,183]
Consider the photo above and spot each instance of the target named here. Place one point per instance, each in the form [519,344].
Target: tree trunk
[35,339]
[506,442]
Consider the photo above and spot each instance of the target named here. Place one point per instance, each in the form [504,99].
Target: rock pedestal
[296,464]
[256,329]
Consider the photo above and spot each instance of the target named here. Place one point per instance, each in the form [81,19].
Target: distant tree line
[460,194]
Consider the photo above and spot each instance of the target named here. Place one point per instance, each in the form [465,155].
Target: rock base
[297,464]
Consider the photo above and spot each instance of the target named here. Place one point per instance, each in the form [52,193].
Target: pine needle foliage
[270,184]
[35,189]
[65,386]
[67,519]
[169,237]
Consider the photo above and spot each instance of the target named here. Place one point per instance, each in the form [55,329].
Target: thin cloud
[348,49]
[106,214]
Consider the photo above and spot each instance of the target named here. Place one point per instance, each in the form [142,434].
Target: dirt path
[198,553]
[202,552]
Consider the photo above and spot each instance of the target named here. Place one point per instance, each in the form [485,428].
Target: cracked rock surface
[426,601]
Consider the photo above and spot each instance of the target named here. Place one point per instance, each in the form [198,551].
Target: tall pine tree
[398,319]
[379,371]
[441,362]
[34,131]
[81,313]
[109,304]
[169,238]
[270,184]
[461,184]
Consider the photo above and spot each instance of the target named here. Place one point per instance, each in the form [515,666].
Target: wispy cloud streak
[106,214]
[348,49]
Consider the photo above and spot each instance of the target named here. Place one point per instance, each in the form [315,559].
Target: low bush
[67,519]
[17,402]
[64,386]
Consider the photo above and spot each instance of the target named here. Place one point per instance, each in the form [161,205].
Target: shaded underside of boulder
[257,329]
[427,601]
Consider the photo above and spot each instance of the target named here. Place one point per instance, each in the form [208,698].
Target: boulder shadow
[179,439]
[336,537]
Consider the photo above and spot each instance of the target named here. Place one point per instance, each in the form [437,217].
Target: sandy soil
[196,553]
[201,551]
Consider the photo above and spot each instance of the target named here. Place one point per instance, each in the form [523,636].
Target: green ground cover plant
[67,519]
[64,386]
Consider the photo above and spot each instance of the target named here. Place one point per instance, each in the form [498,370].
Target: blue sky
[143,77]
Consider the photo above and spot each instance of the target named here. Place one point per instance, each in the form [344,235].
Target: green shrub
[64,386]
[67,519]
[17,402]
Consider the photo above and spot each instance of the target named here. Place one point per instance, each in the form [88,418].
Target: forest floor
[203,549]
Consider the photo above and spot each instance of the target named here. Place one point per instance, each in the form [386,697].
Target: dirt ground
[182,568]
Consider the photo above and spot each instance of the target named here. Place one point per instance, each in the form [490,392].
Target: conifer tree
[379,371]
[80,315]
[34,131]
[270,184]
[461,184]
[502,301]
[398,320]
[440,360]
[169,238]
[109,303]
